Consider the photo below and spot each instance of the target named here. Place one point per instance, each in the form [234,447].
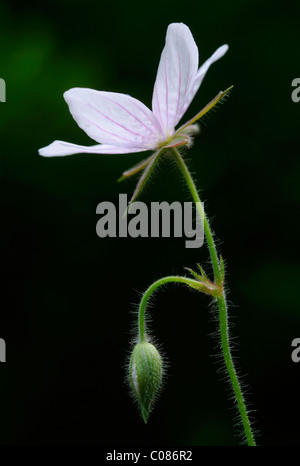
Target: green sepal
[196,275]
[202,271]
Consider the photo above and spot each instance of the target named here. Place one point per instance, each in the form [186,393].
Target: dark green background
[67,296]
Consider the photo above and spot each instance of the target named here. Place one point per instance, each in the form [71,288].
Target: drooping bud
[145,375]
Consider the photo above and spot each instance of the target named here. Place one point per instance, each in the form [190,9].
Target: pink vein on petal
[115,122]
[179,83]
[158,106]
[108,132]
[186,85]
[167,94]
[156,122]
[131,114]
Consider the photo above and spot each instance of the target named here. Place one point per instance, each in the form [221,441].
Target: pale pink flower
[122,124]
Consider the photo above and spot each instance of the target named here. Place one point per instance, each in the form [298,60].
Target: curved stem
[223,314]
[148,293]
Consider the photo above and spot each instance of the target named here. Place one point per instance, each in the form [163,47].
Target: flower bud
[145,375]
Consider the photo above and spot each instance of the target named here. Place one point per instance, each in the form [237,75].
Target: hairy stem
[231,370]
[209,238]
[223,314]
[148,293]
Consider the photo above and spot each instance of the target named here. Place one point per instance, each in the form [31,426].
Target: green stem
[231,370]
[148,293]
[209,238]
[223,314]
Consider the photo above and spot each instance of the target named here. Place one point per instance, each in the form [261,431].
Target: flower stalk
[218,269]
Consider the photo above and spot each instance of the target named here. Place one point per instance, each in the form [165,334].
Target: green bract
[145,375]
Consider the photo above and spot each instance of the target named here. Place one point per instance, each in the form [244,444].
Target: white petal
[61,148]
[112,118]
[202,72]
[175,76]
